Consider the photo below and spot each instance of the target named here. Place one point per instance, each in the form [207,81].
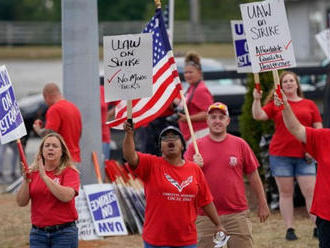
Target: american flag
[166,82]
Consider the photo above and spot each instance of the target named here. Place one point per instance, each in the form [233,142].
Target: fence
[49,33]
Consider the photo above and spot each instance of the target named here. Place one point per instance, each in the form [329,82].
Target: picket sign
[86,229]
[243,62]
[105,210]
[12,125]
[268,35]
[127,66]
[323,38]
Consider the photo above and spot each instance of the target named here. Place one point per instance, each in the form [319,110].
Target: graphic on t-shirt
[232,161]
[181,186]
[56,180]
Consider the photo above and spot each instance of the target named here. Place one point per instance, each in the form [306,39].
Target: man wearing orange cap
[225,159]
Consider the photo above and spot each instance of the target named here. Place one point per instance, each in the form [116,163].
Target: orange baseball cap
[219,105]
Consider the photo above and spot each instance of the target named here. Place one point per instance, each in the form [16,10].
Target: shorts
[291,167]
[238,226]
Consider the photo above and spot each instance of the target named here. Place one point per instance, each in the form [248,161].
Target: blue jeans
[106,150]
[290,167]
[147,245]
[65,238]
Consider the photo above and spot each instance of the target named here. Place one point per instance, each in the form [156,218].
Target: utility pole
[80,47]
[195,27]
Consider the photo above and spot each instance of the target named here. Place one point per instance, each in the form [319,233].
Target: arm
[211,212]
[256,185]
[257,112]
[129,152]
[317,125]
[37,127]
[290,120]
[62,193]
[23,194]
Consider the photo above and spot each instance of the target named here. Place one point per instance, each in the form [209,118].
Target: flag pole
[193,138]
[158,4]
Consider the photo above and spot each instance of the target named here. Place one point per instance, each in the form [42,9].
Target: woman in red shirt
[51,184]
[198,98]
[174,190]
[288,158]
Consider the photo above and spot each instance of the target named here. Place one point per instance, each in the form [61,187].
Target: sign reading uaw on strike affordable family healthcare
[104,208]
[11,121]
[268,35]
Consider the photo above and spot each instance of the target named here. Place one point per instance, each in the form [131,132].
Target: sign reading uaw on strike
[11,122]
[268,35]
[127,66]
[105,210]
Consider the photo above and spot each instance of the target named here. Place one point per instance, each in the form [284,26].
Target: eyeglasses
[170,137]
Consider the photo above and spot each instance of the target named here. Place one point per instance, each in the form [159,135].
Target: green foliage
[252,130]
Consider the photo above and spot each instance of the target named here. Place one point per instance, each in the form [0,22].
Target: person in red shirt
[62,117]
[288,157]
[174,190]
[198,98]
[317,143]
[51,184]
[225,159]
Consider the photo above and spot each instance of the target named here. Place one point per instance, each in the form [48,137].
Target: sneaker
[315,233]
[290,234]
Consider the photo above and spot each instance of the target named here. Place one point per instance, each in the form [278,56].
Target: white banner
[86,229]
[323,38]
[268,35]
[127,66]
[105,210]
[243,62]
[11,121]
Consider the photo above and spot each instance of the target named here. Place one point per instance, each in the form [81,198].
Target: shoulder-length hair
[270,96]
[65,160]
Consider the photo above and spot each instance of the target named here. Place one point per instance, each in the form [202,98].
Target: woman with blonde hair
[51,184]
[198,98]
[288,158]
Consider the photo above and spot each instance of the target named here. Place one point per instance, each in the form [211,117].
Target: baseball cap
[218,105]
[174,130]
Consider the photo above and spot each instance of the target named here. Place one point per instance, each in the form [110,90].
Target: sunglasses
[170,137]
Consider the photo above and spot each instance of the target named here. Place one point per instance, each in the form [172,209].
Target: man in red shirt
[317,143]
[62,117]
[225,159]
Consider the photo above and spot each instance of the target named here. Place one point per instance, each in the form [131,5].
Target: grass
[14,231]
[211,50]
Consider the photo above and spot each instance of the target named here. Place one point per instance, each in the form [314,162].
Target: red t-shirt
[284,143]
[64,118]
[173,195]
[104,111]
[46,209]
[200,101]
[318,145]
[225,162]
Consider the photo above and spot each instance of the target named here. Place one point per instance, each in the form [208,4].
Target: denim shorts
[290,166]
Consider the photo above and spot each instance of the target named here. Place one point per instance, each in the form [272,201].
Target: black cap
[174,130]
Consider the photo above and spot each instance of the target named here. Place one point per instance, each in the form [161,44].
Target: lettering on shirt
[57,180]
